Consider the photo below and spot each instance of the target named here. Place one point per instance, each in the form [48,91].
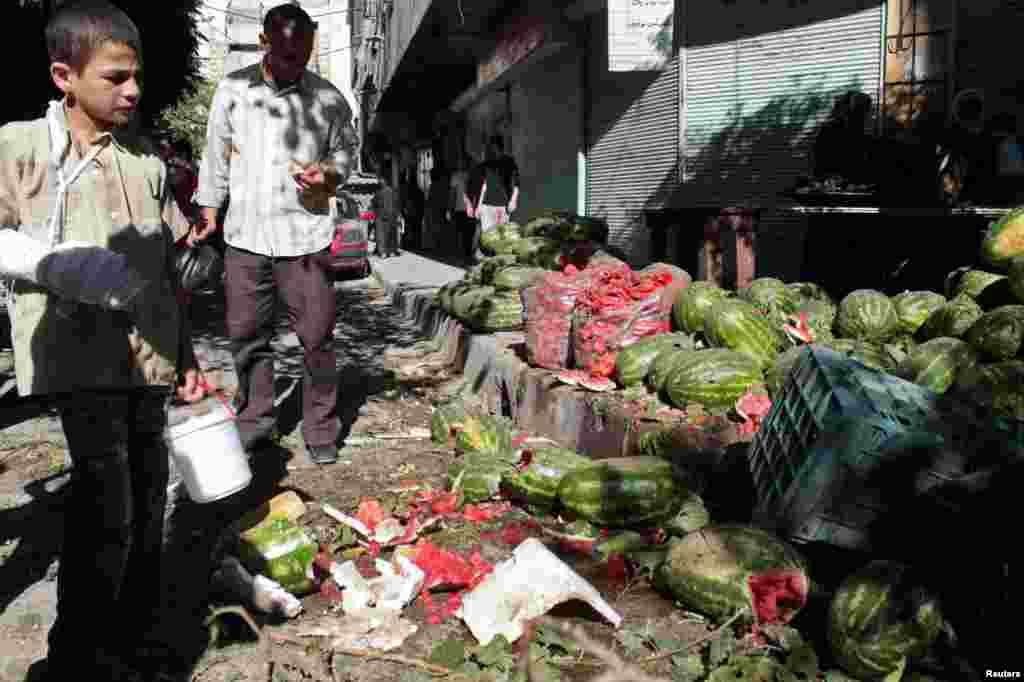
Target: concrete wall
[541,121]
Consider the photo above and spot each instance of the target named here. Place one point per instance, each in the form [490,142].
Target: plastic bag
[598,336]
[547,309]
[680,280]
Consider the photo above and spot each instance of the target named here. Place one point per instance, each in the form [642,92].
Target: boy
[75,175]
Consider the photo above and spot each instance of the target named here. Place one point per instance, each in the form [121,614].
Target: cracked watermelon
[739,326]
[535,478]
[935,364]
[867,315]
[771,298]
[714,377]
[914,307]
[880,616]
[722,569]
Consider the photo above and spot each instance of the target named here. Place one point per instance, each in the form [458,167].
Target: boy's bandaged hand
[90,274]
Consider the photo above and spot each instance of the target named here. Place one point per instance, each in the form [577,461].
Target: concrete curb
[494,370]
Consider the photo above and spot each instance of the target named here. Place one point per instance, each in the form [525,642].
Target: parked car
[350,250]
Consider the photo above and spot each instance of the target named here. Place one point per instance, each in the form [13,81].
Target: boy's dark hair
[287,13]
[80,28]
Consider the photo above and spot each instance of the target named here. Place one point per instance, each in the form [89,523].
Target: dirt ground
[387,456]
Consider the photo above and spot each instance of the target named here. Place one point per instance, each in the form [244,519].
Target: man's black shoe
[322,454]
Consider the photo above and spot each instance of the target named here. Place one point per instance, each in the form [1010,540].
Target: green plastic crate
[822,461]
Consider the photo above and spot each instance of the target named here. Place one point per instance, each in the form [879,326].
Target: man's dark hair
[284,14]
[80,28]
[497,143]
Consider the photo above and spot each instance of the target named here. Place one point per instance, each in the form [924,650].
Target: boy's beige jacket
[121,203]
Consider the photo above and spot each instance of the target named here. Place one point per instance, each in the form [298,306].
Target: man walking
[498,180]
[279,143]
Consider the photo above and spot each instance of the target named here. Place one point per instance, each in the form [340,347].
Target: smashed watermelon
[723,569]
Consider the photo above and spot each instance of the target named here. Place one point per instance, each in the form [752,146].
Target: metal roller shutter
[752,100]
[632,138]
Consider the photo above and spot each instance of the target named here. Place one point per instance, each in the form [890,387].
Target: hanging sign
[639,34]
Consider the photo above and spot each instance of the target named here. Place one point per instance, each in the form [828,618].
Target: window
[424,164]
[918,63]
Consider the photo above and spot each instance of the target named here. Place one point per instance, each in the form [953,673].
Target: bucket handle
[203,384]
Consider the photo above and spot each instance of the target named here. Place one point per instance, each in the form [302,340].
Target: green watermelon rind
[714,377]
[719,595]
[994,385]
[953,319]
[999,333]
[737,325]
[692,304]
[868,354]
[621,492]
[538,482]
[935,364]
[634,361]
[775,376]
[862,634]
[663,364]
[867,315]
[914,307]
[1015,275]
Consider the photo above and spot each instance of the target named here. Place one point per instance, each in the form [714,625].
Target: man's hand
[192,388]
[204,227]
[311,177]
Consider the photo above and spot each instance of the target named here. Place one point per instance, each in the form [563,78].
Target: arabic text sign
[639,34]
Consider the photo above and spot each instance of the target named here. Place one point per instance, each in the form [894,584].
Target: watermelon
[771,298]
[692,304]
[534,480]
[502,240]
[817,317]
[542,226]
[516,277]
[464,300]
[501,312]
[596,384]
[775,376]
[970,281]
[481,476]
[485,435]
[953,319]
[621,492]
[634,361]
[735,324]
[880,616]
[1004,240]
[935,364]
[868,354]
[714,377]
[692,516]
[723,569]
[526,247]
[809,291]
[867,315]
[1015,278]
[996,386]
[914,307]
[665,362]
[444,419]
[490,267]
[998,334]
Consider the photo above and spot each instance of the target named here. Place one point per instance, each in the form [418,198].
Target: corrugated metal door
[759,79]
[632,138]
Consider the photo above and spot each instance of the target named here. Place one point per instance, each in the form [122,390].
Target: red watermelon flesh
[778,596]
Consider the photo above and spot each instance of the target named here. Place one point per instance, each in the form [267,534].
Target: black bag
[197,266]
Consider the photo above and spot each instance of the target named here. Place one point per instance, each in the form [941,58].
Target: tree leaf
[497,653]
[687,668]
[803,663]
[634,642]
[451,654]
[552,638]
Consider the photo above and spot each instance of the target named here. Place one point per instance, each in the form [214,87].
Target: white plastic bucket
[208,453]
